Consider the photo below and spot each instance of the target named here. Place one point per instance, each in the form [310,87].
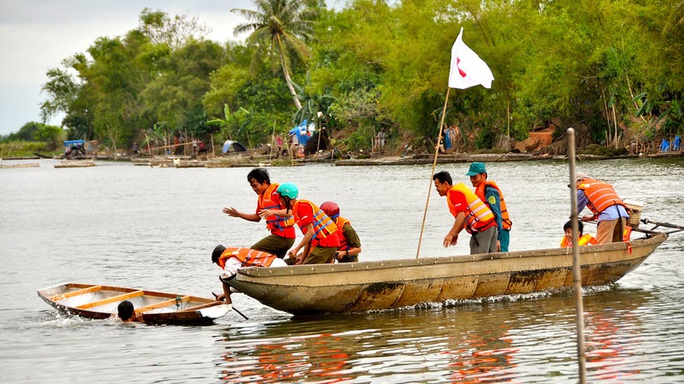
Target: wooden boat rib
[101,301]
[378,285]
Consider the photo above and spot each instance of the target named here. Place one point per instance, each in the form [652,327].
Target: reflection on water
[504,341]
[155,228]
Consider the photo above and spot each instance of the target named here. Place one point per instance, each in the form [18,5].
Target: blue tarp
[302,132]
[71,143]
[665,145]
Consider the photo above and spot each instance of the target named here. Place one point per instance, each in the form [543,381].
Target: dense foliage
[613,67]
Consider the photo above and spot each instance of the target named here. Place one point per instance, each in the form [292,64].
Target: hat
[476,168]
[581,176]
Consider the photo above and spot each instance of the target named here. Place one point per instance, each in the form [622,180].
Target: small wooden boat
[101,301]
[378,285]
[21,165]
[75,164]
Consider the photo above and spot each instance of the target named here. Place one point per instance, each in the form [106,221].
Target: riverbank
[232,161]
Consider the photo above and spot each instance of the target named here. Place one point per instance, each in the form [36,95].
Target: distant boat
[101,301]
[381,285]
[75,164]
[21,165]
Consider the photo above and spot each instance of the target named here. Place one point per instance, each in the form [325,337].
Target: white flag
[467,69]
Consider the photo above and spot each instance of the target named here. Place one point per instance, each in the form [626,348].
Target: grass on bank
[26,149]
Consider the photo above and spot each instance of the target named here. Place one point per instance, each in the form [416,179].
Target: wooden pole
[273,141]
[434,165]
[576,262]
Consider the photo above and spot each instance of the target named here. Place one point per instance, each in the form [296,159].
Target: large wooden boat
[101,301]
[379,285]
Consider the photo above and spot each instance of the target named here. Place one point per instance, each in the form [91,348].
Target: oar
[647,221]
[232,306]
[241,314]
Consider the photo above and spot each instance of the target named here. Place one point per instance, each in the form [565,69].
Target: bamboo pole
[432,173]
[576,262]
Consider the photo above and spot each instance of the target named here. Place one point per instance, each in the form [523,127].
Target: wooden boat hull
[101,301]
[379,285]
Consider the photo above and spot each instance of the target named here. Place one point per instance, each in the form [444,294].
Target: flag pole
[432,173]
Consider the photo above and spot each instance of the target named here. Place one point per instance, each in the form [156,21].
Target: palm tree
[279,27]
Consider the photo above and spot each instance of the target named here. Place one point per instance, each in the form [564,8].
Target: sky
[36,35]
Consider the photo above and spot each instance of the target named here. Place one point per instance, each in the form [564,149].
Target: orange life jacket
[478,216]
[585,239]
[323,226]
[600,195]
[274,222]
[506,222]
[248,257]
[627,234]
[344,242]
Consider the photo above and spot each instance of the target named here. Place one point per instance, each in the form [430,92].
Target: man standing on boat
[469,213]
[350,245]
[320,240]
[489,192]
[282,228]
[608,208]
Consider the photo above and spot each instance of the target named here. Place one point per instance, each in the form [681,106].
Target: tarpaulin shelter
[230,146]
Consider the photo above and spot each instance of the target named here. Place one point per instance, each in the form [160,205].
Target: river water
[154,228]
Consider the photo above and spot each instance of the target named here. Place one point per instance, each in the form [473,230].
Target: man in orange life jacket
[282,228]
[350,245]
[585,239]
[490,193]
[320,240]
[607,208]
[469,213]
[231,259]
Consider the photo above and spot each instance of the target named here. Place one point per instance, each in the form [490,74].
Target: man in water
[126,312]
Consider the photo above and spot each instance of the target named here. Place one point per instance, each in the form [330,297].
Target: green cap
[289,190]
[476,169]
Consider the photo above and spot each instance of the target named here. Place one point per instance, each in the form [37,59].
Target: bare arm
[246,216]
[264,213]
[305,243]
[452,236]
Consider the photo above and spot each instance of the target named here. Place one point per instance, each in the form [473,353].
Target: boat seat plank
[112,299]
[77,292]
[161,304]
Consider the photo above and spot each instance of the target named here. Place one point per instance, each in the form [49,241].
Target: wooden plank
[161,304]
[112,299]
[78,292]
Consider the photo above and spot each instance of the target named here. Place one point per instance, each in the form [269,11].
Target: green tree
[279,28]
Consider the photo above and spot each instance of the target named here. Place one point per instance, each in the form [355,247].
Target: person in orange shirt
[585,239]
[470,213]
[320,241]
[350,245]
[282,228]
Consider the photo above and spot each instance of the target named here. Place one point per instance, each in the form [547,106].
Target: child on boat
[582,239]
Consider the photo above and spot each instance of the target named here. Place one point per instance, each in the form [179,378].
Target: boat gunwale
[257,272]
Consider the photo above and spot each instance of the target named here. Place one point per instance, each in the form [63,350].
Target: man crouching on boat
[232,258]
[320,242]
